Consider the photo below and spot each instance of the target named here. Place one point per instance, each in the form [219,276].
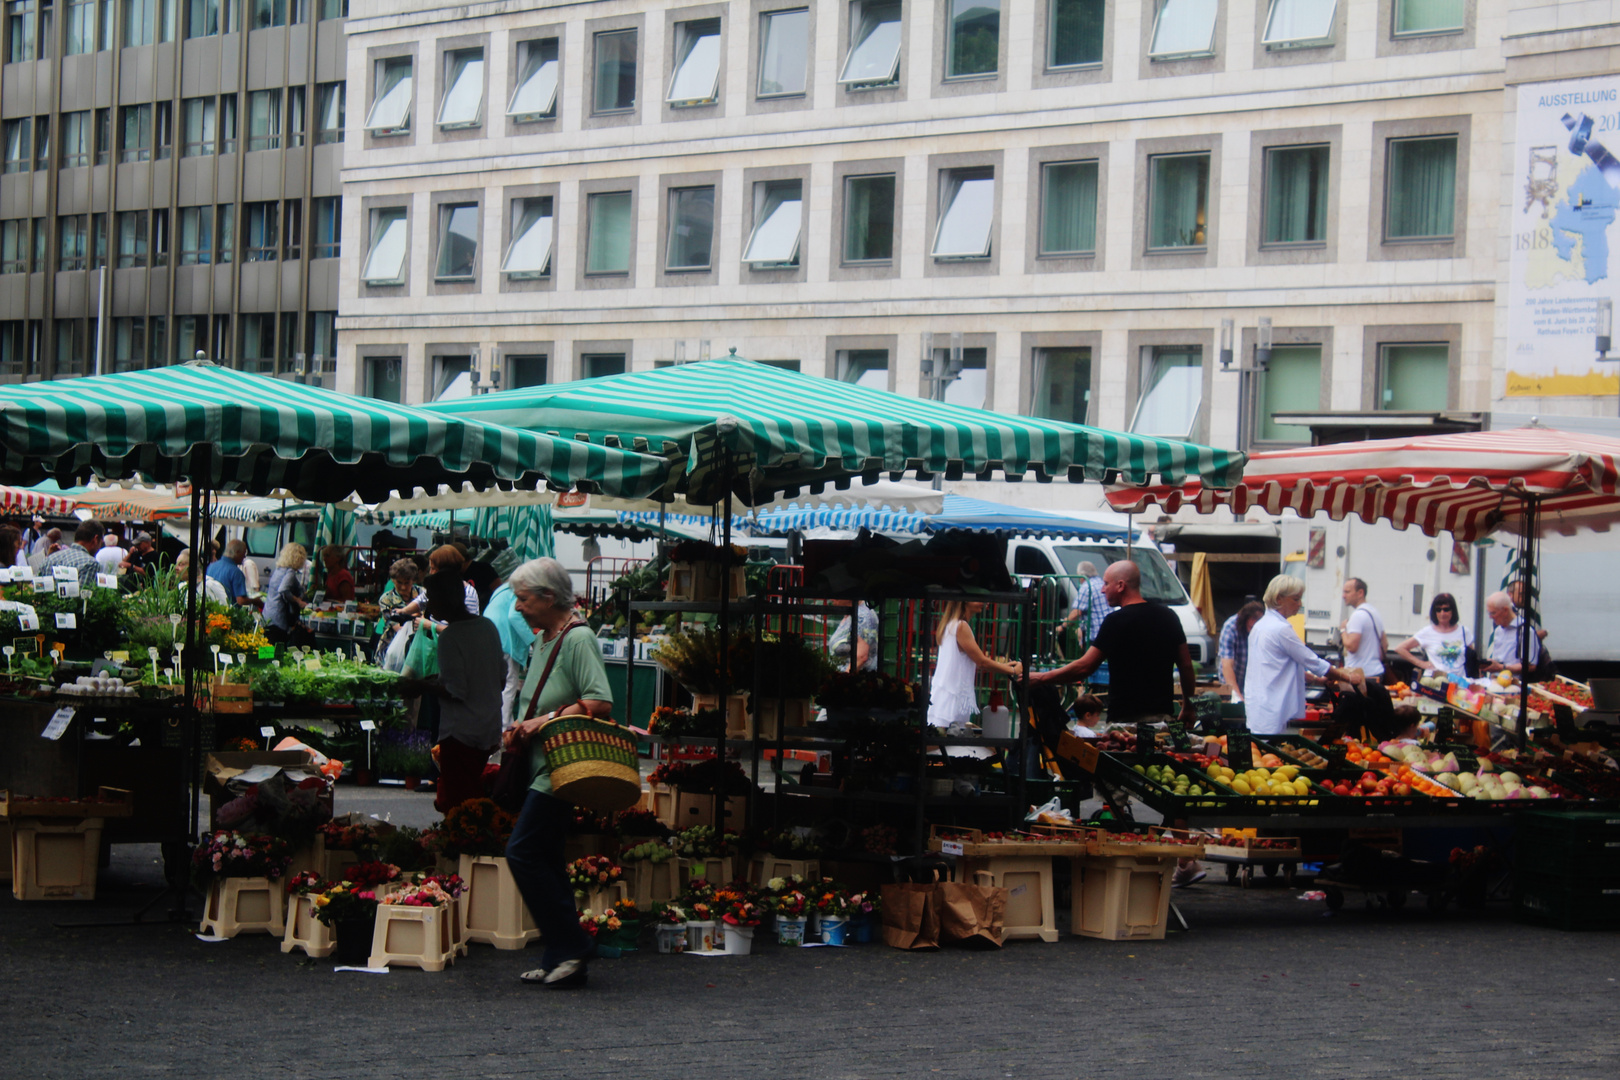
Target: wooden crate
[976,846]
[700,582]
[55,860]
[233,698]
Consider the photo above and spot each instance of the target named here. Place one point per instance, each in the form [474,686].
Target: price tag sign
[267,652]
[1445,726]
[312,664]
[268,732]
[1144,738]
[1239,749]
[60,719]
[64,573]
[44,585]
[1178,734]
[66,620]
[120,655]
[5,573]
[368,725]
[70,589]
[950,847]
[107,581]
[28,619]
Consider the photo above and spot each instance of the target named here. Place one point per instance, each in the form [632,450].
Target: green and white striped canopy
[268,433]
[781,431]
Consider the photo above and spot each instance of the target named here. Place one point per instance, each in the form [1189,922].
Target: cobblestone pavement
[1264,984]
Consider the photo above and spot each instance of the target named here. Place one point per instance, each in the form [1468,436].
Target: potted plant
[406,754]
[237,870]
[865,915]
[832,908]
[351,912]
[739,915]
[669,928]
[595,879]
[791,907]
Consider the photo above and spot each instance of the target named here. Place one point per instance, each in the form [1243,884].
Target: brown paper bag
[974,915]
[910,917]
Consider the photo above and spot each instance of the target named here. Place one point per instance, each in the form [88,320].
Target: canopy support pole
[1527,630]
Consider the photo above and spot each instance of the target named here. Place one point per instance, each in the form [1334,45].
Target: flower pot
[861,929]
[671,937]
[739,940]
[365,778]
[412,783]
[833,929]
[700,935]
[354,941]
[812,930]
[790,931]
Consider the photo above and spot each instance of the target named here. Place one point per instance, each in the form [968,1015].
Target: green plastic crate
[1566,903]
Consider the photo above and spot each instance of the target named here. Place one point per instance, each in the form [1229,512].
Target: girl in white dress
[950,695]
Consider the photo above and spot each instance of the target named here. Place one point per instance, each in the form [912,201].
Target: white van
[1060,560]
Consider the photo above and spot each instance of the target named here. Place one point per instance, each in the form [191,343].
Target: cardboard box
[253,766]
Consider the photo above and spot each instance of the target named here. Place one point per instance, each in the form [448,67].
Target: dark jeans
[534,854]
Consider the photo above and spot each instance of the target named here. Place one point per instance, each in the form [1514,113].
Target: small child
[1089,709]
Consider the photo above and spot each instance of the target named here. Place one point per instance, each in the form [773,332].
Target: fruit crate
[1287,746]
[975,844]
[1414,803]
[1575,844]
[1254,848]
[1120,770]
[108,802]
[1566,903]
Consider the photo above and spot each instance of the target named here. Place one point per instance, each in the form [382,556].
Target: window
[227,124]
[967,208]
[869,218]
[296,121]
[197,116]
[1075,33]
[1292,382]
[190,337]
[874,45]
[615,71]
[321,343]
[328,238]
[1178,201]
[258,342]
[385,262]
[1429,17]
[196,235]
[974,45]
[536,95]
[103,136]
[1420,192]
[268,13]
[42,143]
[135,124]
[72,242]
[19,136]
[608,233]
[168,23]
[129,344]
[259,233]
[14,246]
[202,18]
[382,378]
[391,99]
[452,377]
[138,22]
[458,242]
[160,237]
[131,239]
[71,352]
[528,252]
[968,387]
[36,261]
[778,211]
[13,350]
[1296,195]
[163,130]
[1068,208]
[1297,23]
[784,42]
[330,99]
[19,31]
[1061,385]
[85,19]
[864,367]
[463,104]
[691,228]
[602,365]
[292,229]
[525,370]
[1172,391]
[334,9]
[1414,377]
[98,241]
[697,63]
[225,232]
[1184,28]
[264,120]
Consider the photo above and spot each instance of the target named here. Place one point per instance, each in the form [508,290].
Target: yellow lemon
[1241,786]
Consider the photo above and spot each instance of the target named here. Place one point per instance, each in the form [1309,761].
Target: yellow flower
[321,901]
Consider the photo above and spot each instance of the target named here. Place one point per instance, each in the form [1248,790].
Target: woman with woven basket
[565,677]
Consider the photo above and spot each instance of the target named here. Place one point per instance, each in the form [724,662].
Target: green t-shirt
[578,674]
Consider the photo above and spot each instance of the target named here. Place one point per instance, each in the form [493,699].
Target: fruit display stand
[1018,862]
[1241,854]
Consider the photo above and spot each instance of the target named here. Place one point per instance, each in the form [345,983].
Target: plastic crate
[1120,770]
[1578,843]
[1567,903]
[1281,744]
[1121,897]
[53,860]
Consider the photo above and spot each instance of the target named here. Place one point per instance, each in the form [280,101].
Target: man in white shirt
[1505,639]
[111,554]
[1364,643]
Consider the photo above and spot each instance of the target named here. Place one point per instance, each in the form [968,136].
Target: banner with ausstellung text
[1565,198]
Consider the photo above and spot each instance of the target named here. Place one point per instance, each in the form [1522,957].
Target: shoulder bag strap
[551,662]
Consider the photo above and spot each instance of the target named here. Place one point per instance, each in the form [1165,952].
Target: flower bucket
[739,940]
[812,931]
[700,935]
[354,941]
[862,929]
[671,937]
[790,931]
[833,929]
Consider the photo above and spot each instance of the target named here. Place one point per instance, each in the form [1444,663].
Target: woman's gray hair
[547,576]
[403,570]
[1281,587]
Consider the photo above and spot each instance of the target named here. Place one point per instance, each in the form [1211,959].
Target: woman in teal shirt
[577,683]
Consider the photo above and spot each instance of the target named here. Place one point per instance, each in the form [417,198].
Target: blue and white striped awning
[960,512]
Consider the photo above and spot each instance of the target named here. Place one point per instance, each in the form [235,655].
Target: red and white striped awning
[20,500]
[1469,484]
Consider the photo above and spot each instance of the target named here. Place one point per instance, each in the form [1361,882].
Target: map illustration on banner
[1566,203]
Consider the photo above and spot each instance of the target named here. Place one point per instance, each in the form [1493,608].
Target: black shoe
[568,975]
[535,977]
